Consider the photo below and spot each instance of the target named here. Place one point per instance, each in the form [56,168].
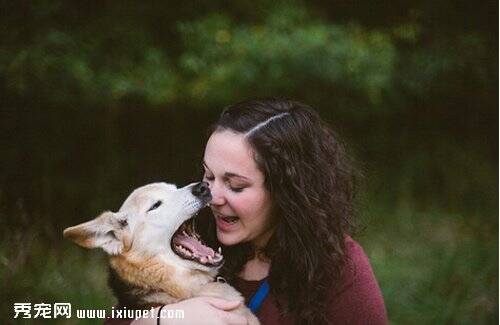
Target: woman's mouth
[226,222]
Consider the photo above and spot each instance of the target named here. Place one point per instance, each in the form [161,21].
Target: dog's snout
[201,190]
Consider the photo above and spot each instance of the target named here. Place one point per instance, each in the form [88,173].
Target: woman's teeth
[229,219]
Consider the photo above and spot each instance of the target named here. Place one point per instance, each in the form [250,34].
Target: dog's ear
[104,232]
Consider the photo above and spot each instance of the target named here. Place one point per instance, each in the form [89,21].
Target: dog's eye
[155,206]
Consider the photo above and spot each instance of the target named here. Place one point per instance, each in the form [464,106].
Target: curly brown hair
[311,181]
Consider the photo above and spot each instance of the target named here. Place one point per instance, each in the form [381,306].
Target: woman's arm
[200,310]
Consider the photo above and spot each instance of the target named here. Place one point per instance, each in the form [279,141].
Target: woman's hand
[199,311]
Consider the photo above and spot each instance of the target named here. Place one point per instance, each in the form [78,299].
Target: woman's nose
[217,195]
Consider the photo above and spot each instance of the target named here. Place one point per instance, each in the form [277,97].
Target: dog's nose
[201,190]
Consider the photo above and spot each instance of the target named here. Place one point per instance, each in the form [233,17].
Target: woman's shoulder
[357,267]
[357,298]
[355,255]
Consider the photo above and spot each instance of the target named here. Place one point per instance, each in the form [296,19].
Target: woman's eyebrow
[229,174]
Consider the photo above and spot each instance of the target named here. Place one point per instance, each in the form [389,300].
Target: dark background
[100,97]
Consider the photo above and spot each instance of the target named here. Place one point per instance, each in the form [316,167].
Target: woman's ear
[102,232]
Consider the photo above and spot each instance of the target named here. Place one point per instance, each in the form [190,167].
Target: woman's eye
[208,178]
[237,189]
[155,206]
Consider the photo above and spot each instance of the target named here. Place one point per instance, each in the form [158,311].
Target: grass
[433,268]
[66,273]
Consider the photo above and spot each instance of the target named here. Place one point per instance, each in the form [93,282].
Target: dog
[156,257]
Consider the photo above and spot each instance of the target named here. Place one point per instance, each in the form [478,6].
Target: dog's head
[155,220]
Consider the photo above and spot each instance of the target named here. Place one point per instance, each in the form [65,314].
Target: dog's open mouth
[188,245]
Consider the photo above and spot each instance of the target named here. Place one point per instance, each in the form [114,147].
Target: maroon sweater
[357,301]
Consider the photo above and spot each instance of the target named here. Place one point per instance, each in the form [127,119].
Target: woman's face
[241,204]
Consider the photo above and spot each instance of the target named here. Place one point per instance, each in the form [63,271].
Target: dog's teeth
[219,250]
[182,249]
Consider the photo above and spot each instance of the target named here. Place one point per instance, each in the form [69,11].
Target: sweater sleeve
[359,300]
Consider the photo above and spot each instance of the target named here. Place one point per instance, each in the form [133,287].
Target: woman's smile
[226,223]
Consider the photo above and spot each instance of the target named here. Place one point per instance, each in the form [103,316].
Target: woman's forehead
[229,152]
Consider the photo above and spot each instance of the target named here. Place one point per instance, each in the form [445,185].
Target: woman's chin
[228,239]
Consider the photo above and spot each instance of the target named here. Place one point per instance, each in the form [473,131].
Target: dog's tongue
[194,245]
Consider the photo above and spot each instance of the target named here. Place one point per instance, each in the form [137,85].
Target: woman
[283,188]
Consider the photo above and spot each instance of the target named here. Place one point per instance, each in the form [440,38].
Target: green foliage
[287,51]
[216,61]
[61,70]
[216,56]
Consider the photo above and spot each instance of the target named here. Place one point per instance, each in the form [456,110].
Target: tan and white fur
[144,270]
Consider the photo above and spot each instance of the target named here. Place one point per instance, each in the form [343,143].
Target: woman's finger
[223,303]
